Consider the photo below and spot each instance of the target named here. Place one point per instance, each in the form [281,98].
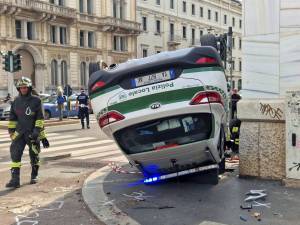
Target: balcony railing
[119,23]
[41,7]
[174,39]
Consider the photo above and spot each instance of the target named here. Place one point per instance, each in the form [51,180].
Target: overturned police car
[166,112]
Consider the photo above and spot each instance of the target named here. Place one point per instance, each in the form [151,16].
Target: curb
[99,204]
[50,124]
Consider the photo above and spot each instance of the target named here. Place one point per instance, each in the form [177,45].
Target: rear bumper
[181,173]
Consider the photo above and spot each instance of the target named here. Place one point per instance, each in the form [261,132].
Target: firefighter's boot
[34,174]
[15,178]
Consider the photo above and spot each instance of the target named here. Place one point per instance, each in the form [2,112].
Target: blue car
[51,109]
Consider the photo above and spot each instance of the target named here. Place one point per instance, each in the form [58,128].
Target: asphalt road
[56,199]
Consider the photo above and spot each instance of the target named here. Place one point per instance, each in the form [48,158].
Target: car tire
[212,176]
[209,40]
[47,115]
[222,166]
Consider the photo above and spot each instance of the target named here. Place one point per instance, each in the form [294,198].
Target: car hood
[5,106]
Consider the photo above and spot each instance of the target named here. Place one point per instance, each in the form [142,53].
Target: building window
[89,5]
[171,31]
[53,34]
[201,33]
[157,2]
[145,53]
[233,64]
[240,65]
[201,11]
[225,19]
[63,35]
[240,43]
[83,75]
[120,43]
[30,31]
[233,21]
[193,9]
[81,38]
[158,26]
[91,39]
[144,23]
[233,42]
[54,73]
[81,6]
[171,4]
[239,84]
[64,73]
[18,25]
[184,6]
[209,14]
[233,84]
[61,2]
[216,16]
[240,24]
[193,36]
[183,32]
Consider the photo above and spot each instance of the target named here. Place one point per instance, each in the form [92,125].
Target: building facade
[58,39]
[174,24]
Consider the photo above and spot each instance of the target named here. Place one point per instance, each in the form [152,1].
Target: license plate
[151,79]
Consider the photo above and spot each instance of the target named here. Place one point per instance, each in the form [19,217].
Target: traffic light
[6,63]
[17,62]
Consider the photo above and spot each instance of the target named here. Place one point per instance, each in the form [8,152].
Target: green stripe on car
[163,98]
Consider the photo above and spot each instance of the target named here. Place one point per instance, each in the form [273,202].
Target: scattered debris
[257,216]
[108,193]
[255,195]
[246,206]
[243,218]
[118,169]
[166,207]
[268,205]
[138,196]
[277,214]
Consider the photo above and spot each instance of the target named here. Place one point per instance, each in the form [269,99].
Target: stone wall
[262,138]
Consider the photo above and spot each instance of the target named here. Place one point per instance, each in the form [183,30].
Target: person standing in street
[83,104]
[235,97]
[25,125]
[60,104]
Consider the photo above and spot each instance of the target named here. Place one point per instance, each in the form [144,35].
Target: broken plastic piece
[256,197]
[246,206]
[243,218]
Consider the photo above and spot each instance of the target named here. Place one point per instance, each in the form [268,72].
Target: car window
[50,99]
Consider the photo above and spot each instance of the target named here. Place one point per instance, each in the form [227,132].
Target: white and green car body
[166,112]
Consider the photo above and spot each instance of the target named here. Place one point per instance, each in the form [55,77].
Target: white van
[167,112]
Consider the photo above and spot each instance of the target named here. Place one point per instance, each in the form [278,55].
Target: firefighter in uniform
[84,103]
[234,127]
[26,125]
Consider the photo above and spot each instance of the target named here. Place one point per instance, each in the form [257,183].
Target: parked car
[166,112]
[51,110]
[4,110]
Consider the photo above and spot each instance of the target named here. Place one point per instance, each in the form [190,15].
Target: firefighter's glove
[35,134]
[45,143]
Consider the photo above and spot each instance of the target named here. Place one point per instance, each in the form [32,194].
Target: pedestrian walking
[82,105]
[235,97]
[25,125]
[60,104]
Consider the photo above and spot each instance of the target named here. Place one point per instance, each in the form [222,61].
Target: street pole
[229,41]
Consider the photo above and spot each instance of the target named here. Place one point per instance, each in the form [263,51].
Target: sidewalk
[48,123]
[122,198]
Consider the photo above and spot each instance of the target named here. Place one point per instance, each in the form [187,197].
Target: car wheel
[222,166]
[47,115]
[209,40]
[213,176]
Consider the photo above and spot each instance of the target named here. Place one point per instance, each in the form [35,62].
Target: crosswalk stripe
[118,159]
[78,145]
[4,137]
[8,142]
[98,155]
[84,152]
